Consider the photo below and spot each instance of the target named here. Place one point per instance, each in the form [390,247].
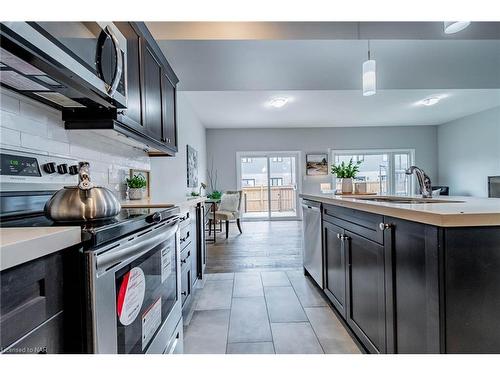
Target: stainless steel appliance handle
[305,206]
[174,346]
[133,248]
[119,62]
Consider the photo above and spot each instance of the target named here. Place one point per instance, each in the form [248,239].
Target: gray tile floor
[263,313]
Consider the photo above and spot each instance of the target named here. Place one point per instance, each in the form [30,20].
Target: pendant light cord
[369,50]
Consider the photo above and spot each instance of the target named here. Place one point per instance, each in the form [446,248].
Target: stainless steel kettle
[84,202]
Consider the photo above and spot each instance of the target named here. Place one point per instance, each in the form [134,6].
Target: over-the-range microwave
[65,64]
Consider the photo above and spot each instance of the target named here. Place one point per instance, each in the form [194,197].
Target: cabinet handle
[183,260]
[184,293]
[342,237]
[384,226]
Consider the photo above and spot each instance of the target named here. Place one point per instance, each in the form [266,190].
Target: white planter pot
[346,185]
[135,193]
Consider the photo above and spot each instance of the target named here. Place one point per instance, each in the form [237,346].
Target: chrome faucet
[423,181]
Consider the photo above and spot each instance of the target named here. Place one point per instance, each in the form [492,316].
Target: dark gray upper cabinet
[151,113]
[152,93]
[135,105]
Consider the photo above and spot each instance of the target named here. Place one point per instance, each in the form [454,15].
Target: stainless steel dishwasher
[312,244]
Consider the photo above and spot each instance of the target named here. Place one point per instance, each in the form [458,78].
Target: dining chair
[230,208]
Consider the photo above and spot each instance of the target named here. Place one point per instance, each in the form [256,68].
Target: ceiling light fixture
[455,26]
[430,101]
[278,102]
[369,75]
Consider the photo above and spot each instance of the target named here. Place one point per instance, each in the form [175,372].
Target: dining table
[213,207]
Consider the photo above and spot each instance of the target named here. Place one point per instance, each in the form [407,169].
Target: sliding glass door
[254,182]
[269,185]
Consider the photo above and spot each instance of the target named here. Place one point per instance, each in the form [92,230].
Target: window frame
[277,179]
[249,180]
[391,170]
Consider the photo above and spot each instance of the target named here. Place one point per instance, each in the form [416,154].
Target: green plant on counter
[195,194]
[348,170]
[136,182]
[215,195]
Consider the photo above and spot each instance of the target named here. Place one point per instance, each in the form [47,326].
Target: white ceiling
[332,108]
[317,30]
[229,81]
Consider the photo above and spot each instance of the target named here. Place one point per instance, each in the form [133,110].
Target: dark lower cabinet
[407,287]
[335,275]
[415,288]
[365,312]
[472,287]
[31,312]
[45,339]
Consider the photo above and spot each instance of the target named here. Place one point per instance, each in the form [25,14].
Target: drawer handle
[384,226]
[183,260]
[184,293]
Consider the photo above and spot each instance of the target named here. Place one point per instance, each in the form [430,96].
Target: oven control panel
[21,170]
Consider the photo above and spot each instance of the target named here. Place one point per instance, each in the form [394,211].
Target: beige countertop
[469,212]
[21,245]
[148,203]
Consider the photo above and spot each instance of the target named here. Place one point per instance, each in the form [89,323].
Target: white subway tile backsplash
[9,103]
[22,124]
[35,127]
[10,137]
[44,144]
[36,111]
[81,152]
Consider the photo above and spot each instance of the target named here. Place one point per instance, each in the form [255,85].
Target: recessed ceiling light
[430,101]
[455,26]
[278,102]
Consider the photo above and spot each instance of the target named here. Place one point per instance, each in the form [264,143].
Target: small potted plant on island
[136,186]
[346,172]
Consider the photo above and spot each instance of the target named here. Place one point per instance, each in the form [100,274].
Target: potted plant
[346,172]
[136,186]
[215,195]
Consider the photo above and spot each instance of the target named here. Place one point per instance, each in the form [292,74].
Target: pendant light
[455,26]
[369,75]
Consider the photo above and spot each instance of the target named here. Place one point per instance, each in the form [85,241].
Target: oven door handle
[135,248]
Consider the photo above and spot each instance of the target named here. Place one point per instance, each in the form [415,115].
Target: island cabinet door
[334,250]
[415,287]
[366,291]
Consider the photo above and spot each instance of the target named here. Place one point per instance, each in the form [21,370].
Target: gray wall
[169,175]
[222,145]
[469,152]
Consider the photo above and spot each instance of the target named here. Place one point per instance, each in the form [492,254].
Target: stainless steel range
[130,284]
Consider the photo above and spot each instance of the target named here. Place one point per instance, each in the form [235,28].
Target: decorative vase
[135,193]
[346,185]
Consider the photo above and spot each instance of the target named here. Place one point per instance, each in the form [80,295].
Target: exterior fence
[283,198]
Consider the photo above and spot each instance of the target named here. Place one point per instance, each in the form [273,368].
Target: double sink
[405,200]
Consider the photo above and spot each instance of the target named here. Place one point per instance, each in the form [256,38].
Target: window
[382,170]
[248,182]
[246,160]
[276,181]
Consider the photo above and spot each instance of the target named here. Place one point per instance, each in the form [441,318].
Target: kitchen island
[413,276]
